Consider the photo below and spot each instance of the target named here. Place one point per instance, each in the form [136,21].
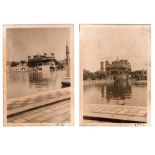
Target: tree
[22,62]
[14,63]
[87,75]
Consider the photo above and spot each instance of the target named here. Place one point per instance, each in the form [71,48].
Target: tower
[67,54]
[102,66]
[66,81]
[67,59]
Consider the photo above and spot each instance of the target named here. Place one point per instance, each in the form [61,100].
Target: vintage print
[115,75]
[38,75]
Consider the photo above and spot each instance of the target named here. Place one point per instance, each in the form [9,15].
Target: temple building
[40,59]
[118,69]
[42,62]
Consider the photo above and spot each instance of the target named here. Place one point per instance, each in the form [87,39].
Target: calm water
[120,93]
[27,83]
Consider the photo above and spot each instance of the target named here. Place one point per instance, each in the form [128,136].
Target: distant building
[139,75]
[42,62]
[40,59]
[119,69]
[18,66]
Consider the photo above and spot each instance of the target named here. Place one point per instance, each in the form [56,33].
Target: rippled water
[118,92]
[26,83]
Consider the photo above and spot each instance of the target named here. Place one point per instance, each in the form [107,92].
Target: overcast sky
[22,42]
[109,42]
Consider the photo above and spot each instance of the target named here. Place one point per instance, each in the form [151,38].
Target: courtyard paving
[46,107]
[114,113]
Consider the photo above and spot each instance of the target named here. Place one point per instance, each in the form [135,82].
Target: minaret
[66,81]
[102,66]
[67,59]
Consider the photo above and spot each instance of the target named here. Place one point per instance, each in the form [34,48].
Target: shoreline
[108,81]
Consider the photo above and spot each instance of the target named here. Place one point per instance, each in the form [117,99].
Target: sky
[22,42]
[110,42]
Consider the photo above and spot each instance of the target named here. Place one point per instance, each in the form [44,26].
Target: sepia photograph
[38,74]
[115,74]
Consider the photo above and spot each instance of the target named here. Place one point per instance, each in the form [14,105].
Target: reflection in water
[39,79]
[117,92]
[26,83]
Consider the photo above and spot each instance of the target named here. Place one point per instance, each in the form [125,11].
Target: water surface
[115,93]
[27,83]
